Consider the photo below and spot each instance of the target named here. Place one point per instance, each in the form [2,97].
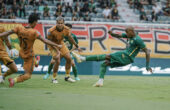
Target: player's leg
[103,68]
[74,67]
[80,58]
[1,77]
[55,69]
[29,64]
[12,68]
[50,67]
[68,59]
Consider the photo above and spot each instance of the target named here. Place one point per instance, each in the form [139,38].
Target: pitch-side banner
[94,39]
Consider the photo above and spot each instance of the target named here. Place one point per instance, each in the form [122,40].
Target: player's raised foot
[2,79]
[77,78]
[55,81]
[37,61]
[69,79]
[99,83]
[46,76]
[11,82]
[79,58]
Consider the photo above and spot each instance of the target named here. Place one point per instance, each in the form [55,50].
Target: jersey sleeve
[124,35]
[75,38]
[140,43]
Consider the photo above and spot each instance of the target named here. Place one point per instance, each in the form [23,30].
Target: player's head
[32,20]
[60,23]
[69,25]
[130,31]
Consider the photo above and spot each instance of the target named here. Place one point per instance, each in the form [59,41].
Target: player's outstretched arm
[73,42]
[5,34]
[114,35]
[147,53]
[7,43]
[48,42]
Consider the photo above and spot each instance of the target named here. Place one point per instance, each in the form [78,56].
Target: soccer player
[4,57]
[57,34]
[120,58]
[71,48]
[27,35]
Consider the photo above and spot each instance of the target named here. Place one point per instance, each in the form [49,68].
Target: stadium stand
[156,11]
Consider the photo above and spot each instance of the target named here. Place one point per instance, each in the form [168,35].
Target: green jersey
[68,43]
[135,44]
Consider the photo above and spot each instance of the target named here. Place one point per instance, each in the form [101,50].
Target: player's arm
[73,42]
[48,42]
[114,34]
[8,44]
[147,53]
[5,34]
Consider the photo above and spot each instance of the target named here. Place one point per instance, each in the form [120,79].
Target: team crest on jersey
[123,56]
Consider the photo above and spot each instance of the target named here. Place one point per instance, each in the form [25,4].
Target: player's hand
[59,46]
[79,49]
[149,69]
[110,32]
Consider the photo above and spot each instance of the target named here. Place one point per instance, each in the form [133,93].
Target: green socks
[96,57]
[50,67]
[74,71]
[103,69]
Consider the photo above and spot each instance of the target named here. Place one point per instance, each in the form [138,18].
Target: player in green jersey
[71,48]
[120,58]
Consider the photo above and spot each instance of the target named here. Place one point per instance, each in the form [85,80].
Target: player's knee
[14,70]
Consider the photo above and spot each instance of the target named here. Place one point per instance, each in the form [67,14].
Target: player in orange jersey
[4,57]
[57,34]
[27,35]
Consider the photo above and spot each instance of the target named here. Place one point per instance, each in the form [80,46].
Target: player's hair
[32,18]
[68,25]
[59,18]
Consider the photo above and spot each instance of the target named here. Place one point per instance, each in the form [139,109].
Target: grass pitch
[118,93]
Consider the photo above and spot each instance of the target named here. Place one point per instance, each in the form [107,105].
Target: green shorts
[119,59]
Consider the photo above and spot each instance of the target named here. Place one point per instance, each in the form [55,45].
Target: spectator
[87,17]
[4,13]
[115,14]
[75,16]
[68,7]
[166,10]
[58,11]
[11,15]
[15,9]
[46,11]
[35,13]
[85,7]
[143,15]
[106,12]
[154,17]
[22,5]
[157,10]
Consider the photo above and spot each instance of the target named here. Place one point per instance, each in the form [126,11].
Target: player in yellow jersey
[27,35]
[57,34]
[4,57]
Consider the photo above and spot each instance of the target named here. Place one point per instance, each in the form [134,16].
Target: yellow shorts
[4,57]
[64,50]
[29,64]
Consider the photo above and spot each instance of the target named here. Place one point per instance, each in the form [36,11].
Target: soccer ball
[13,53]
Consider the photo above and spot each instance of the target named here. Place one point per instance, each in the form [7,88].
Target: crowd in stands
[151,10]
[76,10]
[82,10]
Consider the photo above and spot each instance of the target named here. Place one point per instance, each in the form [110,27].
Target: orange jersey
[57,36]
[2,46]
[26,36]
